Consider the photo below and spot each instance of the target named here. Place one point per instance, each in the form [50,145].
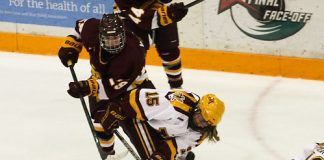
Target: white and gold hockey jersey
[168,113]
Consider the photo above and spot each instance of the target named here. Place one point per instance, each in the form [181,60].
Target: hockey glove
[170,14]
[112,117]
[187,156]
[83,88]
[190,156]
[70,51]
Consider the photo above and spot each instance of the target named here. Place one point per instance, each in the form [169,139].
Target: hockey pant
[97,111]
[148,141]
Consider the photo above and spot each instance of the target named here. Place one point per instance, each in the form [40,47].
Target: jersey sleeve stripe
[136,105]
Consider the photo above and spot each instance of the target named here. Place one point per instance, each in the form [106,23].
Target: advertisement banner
[61,13]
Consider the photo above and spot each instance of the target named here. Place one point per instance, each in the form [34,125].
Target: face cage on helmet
[192,124]
[198,110]
[110,45]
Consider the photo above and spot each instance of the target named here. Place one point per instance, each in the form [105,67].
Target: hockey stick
[129,148]
[121,138]
[87,114]
[187,6]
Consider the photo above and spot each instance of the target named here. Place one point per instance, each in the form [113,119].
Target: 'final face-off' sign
[265,19]
[52,12]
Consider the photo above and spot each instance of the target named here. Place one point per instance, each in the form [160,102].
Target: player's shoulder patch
[181,101]
[176,96]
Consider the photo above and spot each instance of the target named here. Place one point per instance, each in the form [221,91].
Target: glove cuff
[164,19]
[93,87]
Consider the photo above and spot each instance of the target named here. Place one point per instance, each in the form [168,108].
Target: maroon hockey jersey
[143,18]
[115,74]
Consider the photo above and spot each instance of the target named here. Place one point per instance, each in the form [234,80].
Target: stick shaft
[120,137]
[193,3]
[129,148]
[84,106]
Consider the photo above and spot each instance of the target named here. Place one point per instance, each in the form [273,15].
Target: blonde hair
[212,134]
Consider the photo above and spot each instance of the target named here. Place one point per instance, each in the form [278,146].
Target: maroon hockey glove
[112,118]
[70,51]
[176,11]
[83,88]
[170,14]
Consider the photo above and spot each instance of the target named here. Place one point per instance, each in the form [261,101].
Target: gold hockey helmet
[211,109]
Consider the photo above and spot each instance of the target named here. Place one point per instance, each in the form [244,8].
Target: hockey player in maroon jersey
[151,17]
[117,58]
[173,122]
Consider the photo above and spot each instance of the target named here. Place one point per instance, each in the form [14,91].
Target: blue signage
[52,12]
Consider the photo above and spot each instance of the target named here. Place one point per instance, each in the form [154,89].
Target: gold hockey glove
[70,50]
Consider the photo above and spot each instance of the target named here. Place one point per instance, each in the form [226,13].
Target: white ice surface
[266,118]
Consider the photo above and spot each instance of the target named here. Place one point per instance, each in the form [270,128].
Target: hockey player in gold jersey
[172,122]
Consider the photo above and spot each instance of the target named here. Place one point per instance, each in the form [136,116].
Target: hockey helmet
[211,109]
[112,33]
